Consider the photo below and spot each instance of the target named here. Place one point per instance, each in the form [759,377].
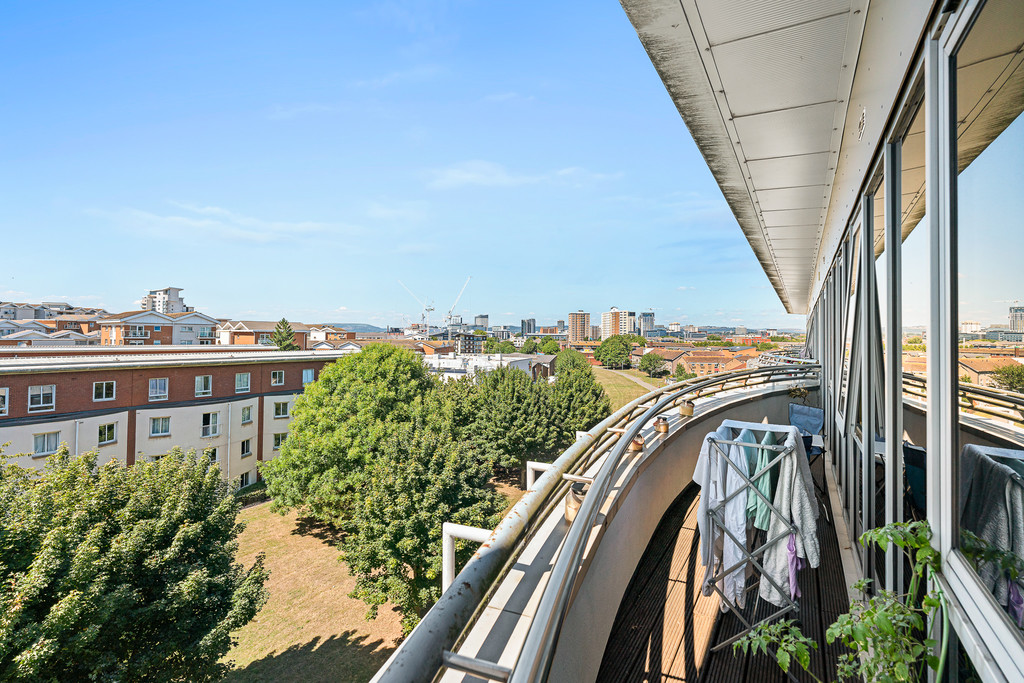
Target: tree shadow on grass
[348,656]
[307,526]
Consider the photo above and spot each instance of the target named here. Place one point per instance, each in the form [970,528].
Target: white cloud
[416,74]
[683,288]
[217,222]
[490,174]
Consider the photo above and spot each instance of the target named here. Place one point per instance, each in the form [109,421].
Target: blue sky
[298,159]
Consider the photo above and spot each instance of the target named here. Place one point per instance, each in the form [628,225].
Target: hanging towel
[766,483]
[717,480]
[794,497]
[796,563]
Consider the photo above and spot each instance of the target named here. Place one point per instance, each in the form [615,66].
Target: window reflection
[990,281]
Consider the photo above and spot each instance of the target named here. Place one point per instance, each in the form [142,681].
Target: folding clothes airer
[728,492]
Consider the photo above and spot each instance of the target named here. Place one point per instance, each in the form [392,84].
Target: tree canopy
[652,364]
[120,573]
[529,346]
[514,418]
[491,345]
[506,347]
[421,480]
[580,401]
[284,336]
[550,347]
[337,426]
[614,351]
[1010,377]
[681,374]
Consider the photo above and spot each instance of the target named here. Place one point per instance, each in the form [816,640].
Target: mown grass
[621,390]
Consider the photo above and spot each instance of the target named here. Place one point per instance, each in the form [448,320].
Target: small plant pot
[661,425]
[637,444]
[686,408]
[573,500]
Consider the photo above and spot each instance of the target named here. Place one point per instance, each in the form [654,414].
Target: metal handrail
[988,401]
[420,656]
[538,650]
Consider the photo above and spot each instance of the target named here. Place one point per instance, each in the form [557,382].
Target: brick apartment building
[260,332]
[136,407]
[579,326]
[144,328]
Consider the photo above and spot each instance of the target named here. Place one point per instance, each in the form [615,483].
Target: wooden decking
[665,626]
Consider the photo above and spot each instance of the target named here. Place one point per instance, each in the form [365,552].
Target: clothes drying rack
[716,516]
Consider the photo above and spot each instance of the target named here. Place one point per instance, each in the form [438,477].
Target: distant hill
[358,327]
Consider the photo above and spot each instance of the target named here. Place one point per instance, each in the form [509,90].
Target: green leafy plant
[885,631]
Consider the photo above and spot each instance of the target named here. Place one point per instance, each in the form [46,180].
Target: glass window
[4,391]
[276,377]
[307,375]
[204,385]
[107,433]
[158,389]
[241,382]
[45,444]
[103,391]
[159,426]
[243,480]
[246,414]
[281,409]
[989,205]
[41,398]
[246,447]
[279,439]
[211,424]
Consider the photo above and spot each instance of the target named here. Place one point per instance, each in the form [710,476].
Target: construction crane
[427,308]
[448,318]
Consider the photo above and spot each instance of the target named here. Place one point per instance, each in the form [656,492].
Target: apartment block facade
[167,300]
[143,328]
[615,322]
[262,332]
[579,326]
[135,408]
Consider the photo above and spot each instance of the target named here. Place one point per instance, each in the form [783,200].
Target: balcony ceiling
[763,88]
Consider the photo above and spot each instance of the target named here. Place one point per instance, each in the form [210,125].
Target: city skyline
[269,165]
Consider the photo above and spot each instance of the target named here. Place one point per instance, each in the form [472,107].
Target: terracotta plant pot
[574,499]
[686,408]
[661,425]
[637,444]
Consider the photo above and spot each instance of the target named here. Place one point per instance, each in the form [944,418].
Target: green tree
[579,400]
[284,336]
[506,347]
[550,347]
[766,346]
[120,573]
[529,346]
[681,374]
[480,333]
[491,345]
[1010,377]
[420,480]
[652,364]
[614,351]
[514,419]
[714,337]
[337,426]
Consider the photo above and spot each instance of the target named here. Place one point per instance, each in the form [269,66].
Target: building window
[157,328]
[211,424]
[307,375]
[246,414]
[3,400]
[187,342]
[186,328]
[211,452]
[276,377]
[45,444]
[41,398]
[156,343]
[204,385]
[103,391]
[158,389]
[265,339]
[107,433]
[242,383]
[159,426]
[246,447]
[243,480]
[281,409]
[278,440]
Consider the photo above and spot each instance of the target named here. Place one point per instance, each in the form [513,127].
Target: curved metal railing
[990,402]
[421,655]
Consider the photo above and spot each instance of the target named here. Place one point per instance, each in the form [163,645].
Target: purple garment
[796,563]
[1015,605]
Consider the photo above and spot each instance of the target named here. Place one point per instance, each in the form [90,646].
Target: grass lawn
[643,377]
[309,630]
[619,389]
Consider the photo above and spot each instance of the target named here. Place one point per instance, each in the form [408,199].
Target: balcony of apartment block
[616,594]
[206,334]
[136,334]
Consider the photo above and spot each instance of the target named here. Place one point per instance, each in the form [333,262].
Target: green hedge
[252,494]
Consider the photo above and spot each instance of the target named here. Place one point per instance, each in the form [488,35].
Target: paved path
[637,380]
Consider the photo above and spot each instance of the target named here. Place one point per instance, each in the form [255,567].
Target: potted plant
[883,631]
